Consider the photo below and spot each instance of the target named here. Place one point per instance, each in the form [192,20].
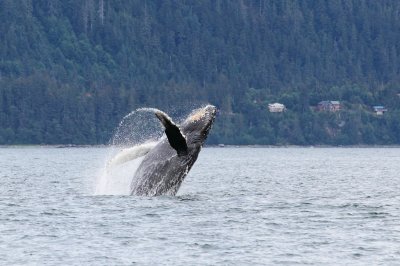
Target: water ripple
[238,206]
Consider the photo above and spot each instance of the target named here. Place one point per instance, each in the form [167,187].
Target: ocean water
[238,206]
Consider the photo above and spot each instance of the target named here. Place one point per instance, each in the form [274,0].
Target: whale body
[166,165]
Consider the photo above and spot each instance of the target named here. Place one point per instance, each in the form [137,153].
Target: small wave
[189,197]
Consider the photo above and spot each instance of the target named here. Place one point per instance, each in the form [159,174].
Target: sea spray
[137,127]
[137,133]
[117,174]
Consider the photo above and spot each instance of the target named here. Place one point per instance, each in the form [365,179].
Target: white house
[276,107]
[379,109]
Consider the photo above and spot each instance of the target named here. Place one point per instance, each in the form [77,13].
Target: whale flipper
[175,137]
[131,154]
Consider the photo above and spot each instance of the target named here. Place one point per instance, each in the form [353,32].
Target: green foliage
[71,69]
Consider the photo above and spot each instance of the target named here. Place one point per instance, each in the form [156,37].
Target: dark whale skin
[163,169]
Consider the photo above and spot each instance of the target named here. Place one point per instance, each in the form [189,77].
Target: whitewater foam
[116,176]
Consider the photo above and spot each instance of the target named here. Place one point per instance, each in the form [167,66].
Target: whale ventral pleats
[174,134]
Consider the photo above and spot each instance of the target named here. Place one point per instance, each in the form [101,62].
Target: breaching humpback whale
[165,166]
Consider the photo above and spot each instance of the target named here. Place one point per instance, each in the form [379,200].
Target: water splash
[137,133]
[137,127]
[130,154]
[117,174]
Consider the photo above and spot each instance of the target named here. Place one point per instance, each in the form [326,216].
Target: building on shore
[331,106]
[379,109]
[276,107]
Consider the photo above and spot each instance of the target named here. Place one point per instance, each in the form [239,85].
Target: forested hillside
[71,69]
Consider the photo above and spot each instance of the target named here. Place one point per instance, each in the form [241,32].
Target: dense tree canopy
[71,69]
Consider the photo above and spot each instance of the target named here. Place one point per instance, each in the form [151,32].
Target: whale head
[192,133]
[198,124]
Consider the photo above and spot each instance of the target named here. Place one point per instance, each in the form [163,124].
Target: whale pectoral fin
[131,154]
[176,140]
[174,134]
